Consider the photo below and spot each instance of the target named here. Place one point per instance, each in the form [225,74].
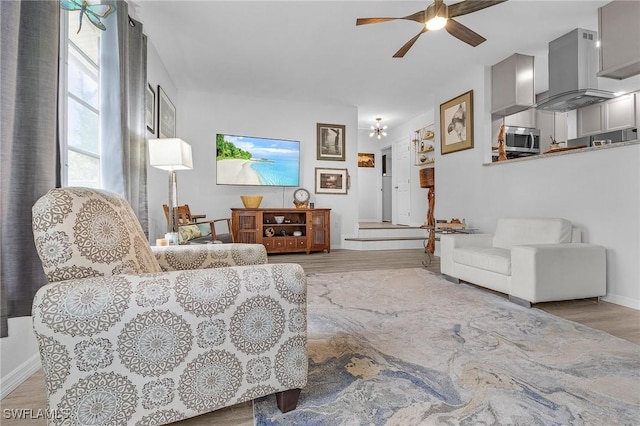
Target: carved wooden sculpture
[431,221]
[502,154]
[428,180]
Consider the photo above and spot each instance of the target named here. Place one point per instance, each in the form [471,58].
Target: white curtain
[29,164]
[123,80]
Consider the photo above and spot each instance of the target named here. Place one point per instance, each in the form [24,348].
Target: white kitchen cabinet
[619,39]
[590,120]
[561,126]
[512,85]
[526,118]
[620,113]
[615,114]
[551,125]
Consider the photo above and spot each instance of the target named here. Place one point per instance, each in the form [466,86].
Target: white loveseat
[530,259]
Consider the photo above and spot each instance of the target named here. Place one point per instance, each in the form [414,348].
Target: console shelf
[302,230]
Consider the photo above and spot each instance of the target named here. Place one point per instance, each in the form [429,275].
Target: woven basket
[251,201]
[427,178]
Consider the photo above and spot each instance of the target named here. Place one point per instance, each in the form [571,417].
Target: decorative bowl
[251,201]
[279,219]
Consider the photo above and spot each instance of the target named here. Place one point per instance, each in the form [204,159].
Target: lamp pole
[173,201]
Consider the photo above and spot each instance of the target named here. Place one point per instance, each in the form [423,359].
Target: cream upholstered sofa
[531,259]
[134,336]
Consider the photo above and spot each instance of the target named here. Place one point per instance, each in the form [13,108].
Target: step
[391,233]
[366,225]
[383,243]
[383,238]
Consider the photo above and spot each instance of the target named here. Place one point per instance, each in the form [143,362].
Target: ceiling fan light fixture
[436,23]
[436,16]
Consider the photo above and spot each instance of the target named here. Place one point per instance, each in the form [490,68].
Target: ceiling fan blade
[417,17]
[404,49]
[365,21]
[463,33]
[470,6]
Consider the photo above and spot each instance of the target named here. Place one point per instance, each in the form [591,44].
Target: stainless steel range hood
[573,64]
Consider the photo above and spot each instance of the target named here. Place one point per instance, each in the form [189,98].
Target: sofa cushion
[488,258]
[512,232]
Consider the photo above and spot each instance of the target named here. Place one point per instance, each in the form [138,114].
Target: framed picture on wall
[331,142]
[150,109]
[456,124]
[166,116]
[331,181]
[366,159]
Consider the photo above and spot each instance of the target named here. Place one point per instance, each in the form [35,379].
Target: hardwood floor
[613,319]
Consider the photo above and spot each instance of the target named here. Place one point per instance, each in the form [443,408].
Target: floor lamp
[171,154]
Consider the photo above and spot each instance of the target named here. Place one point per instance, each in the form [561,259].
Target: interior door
[402,179]
[387,191]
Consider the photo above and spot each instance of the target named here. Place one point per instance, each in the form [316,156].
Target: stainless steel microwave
[520,141]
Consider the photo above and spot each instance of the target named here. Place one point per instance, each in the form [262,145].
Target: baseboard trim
[450,278]
[519,301]
[622,301]
[15,378]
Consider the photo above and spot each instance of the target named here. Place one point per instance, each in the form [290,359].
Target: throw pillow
[189,232]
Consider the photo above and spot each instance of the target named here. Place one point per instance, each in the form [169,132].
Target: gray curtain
[123,80]
[28,156]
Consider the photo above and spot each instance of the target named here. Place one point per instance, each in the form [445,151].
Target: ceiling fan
[438,15]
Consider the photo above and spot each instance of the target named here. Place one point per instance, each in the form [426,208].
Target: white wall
[370,179]
[19,352]
[201,115]
[597,190]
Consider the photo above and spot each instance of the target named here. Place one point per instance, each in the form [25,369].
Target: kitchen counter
[568,152]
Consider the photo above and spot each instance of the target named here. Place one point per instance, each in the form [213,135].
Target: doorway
[402,182]
[387,193]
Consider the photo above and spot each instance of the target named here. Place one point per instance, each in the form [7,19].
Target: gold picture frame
[331,142]
[456,124]
[366,159]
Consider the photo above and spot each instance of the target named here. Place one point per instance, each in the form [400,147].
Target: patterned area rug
[405,347]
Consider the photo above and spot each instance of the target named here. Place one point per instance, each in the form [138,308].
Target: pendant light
[377,130]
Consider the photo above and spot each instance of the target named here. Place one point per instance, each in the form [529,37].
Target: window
[80,103]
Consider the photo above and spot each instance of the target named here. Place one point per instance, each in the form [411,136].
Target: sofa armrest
[202,256]
[546,272]
[448,242]
[129,334]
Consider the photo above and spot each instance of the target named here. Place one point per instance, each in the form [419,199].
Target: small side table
[441,228]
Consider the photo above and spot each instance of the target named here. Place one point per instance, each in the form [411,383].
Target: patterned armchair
[129,336]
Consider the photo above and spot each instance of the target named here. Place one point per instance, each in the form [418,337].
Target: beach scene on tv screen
[243,160]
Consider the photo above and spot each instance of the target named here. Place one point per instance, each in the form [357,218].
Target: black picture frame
[166,116]
[150,109]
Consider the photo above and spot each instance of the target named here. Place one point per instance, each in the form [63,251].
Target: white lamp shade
[170,154]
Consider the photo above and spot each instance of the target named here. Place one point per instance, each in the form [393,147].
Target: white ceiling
[312,50]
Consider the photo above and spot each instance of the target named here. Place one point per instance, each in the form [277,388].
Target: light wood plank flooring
[614,319]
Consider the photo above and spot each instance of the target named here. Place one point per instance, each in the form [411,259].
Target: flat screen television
[246,160]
